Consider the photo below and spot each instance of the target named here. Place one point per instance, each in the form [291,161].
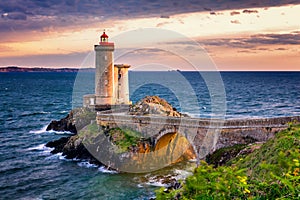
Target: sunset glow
[252,38]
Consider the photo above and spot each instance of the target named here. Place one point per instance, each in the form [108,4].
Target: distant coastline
[42,69]
[39,69]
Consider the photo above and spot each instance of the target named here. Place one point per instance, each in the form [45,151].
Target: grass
[271,172]
[124,138]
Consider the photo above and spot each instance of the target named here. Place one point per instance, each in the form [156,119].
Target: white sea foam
[105,170]
[60,132]
[156,183]
[86,164]
[41,148]
[57,156]
[182,174]
[43,130]
[64,111]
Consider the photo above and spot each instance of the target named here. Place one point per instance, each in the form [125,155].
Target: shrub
[271,172]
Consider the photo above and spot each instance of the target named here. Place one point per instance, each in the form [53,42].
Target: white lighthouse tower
[111,81]
[104,79]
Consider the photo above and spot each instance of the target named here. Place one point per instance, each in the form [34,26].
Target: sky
[236,35]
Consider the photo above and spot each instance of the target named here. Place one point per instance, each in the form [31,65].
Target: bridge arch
[174,146]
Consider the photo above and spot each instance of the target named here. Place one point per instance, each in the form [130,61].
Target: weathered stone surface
[154,105]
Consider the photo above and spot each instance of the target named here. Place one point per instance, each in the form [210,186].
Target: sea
[30,101]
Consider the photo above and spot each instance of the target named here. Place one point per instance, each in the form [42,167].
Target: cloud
[14,16]
[4,48]
[250,11]
[284,39]
[215,13]
[207,9]
[281,49]
[48,60]
[255,41]
[64,13]
[235,21]
[234,13]
[162,24]
[165,16]
[246,51]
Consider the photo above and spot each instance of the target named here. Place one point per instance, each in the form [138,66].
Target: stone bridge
[205,135]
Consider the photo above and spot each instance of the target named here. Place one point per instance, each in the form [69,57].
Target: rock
[74,148]
[58,145]
[64,124]
[223,155]
[154,105]
[74,121]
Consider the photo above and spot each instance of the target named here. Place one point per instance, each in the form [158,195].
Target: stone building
[111,81]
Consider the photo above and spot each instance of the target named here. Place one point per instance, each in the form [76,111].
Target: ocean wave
[104,169]
[28,113]
[60,132]
[182,174]
[43,130]
[42,148]
[57,156]
[156,183]
[63,111]
[86,164]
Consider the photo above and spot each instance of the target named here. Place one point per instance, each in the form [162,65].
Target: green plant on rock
[124,138]
[271,172]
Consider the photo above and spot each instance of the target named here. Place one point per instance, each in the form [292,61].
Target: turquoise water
[29,101]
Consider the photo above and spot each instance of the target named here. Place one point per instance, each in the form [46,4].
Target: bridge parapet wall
[197,131]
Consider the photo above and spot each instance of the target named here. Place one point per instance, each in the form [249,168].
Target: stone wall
[204,134]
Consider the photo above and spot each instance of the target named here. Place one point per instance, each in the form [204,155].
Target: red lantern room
[103,37]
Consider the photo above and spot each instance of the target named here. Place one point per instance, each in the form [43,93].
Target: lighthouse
[104,79]
[111,81]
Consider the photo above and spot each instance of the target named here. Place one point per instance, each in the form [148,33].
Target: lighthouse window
[105,57]
[105,82]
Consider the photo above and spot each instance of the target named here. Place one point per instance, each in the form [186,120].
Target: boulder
[154,105]
[58,145]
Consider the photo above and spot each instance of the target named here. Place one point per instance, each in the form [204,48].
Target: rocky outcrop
[72,147]
[78,121]
[75,120]
[154,105]
[65,124]
[58,145]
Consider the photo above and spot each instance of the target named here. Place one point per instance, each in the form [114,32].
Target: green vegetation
[223,155]
[124,138]
[271,172]
[93,127]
